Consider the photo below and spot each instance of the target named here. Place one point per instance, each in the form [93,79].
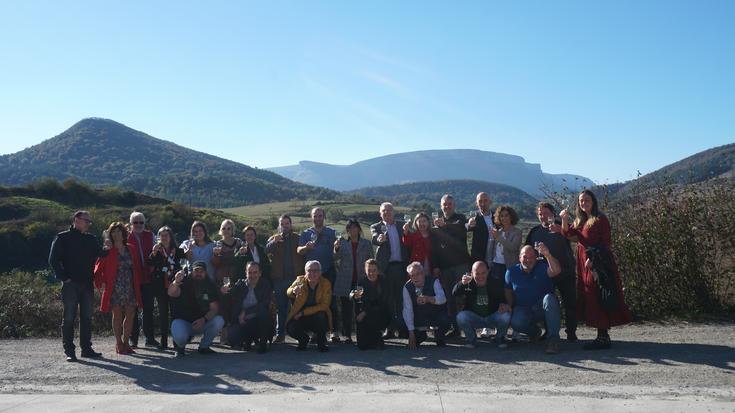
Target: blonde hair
[226,222]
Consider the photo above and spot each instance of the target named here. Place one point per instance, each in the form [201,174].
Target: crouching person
[250,316]
[484,305]
[311,295]
[424,306]
[530,292]
[195,308]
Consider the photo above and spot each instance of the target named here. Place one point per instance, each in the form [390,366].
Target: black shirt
[558,245]
[193,302]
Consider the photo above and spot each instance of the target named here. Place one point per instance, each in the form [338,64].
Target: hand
[298,315]
[241,318]
[471,222]
[107,244]
[296,290]
[360,317]
[278,238]
[564,214]
[382,238]
[588,264]
[495,233]
[310,245]
[225,289]
[421,300]
[179,277]
[554,227]
[411,340]
[439,222]
[198,324]
[157,248]
[543,249]
[336,245]
[466,279]
[242,250]
[217,250]
[406,227]
[504,308]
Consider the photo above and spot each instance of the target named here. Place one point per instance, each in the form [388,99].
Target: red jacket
[105,271]
[146,239]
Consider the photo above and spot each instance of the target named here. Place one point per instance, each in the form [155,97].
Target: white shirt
[408,304]
[499,257]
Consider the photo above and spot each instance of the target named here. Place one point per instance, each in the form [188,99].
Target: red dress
[588,308]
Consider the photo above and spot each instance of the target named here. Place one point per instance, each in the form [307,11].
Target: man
[485,305]
[286,263]
[317,244]
[530,293]
[449,252]
[391,256]
[144,240]
[424,306]
[549,232]
[480,225]
[72,257]
[311,295]
[250,315]
[195,308]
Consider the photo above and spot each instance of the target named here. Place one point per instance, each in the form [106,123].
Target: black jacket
[263,294]
[449,243]
[373,298]
[73,255]
[480,235]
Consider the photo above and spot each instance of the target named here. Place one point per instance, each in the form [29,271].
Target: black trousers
[567,286]
[77,298]
[258,329]
[370,329]
[317,323]
[425,316]
[152,293]
[393,282]
[331,275]
[346,308]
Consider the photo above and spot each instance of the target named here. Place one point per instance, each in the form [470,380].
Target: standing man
[317,244]
[144,240]
[549,232]
[391,256]
[286,263]
[480,225]
[449,253]
[72,257]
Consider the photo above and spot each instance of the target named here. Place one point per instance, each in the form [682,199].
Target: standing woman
[199,247]
[350,256]
[224,253]
[504,245]
[120,274]
[251,251]
[419,242]
[372,312]
[591,228]
[165,259]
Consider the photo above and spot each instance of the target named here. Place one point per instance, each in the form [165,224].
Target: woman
[199,247]
[251,251]
[120,273]
[591,228]
[505,241]
[164,258]
[419,242]
[371,309]
[349,256]
[224,253]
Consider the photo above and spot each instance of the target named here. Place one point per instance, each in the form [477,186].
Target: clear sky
[601,90]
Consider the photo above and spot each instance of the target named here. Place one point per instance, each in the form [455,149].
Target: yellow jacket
[323,298]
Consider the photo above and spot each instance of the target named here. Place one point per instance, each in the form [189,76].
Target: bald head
[483,202]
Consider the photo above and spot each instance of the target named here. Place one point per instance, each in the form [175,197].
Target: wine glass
[314,236]
[434,217]
[359,290]
[467,287]
[226,281]
[337,234]
[383,229]
[537,247]
[407,219]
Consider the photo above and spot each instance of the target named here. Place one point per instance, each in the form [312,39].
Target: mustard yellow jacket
[323,298]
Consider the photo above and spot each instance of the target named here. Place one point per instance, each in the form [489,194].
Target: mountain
[416,194]
[432,165]
[103,152]
[711,164]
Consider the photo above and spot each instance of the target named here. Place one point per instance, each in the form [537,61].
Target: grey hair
[446,197]
[413,265]
[310,263]
[136,214]
[525,247]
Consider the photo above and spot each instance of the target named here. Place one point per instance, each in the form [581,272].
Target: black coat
[263,294]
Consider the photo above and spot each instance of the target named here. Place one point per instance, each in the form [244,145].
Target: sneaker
[90,353]
[206,350]
[335,339]
[454,332]
[389,334]
[180,352]
[347,340]
[71,358]
[485,333]
[280,338]
[552,347]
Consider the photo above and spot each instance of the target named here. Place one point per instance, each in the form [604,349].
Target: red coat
[588,308]
[105,271]
[420,248]
[146,239]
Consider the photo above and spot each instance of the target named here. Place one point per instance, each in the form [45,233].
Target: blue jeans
[282,304]
[181,331]
[469,321]
[547,309]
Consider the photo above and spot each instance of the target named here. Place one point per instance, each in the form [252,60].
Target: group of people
[408,277]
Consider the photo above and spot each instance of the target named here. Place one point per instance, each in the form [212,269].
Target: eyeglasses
[138,223]
[87,220]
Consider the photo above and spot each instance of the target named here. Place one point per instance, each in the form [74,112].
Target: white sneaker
[485,333]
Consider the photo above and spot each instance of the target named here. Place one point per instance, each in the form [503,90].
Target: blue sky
[601,90]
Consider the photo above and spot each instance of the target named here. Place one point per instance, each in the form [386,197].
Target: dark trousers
[75,297]
[425,316]
[258,329]
[393,282]
[346,308]
[370,329]
[151,293]
[567,286]
[316,323]
[331,275]
[449,277]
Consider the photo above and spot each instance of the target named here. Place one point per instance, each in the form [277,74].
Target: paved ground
[672,367]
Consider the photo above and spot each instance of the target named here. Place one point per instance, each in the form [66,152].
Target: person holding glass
[199,247]
[165,259]
[372,313]
[591,229]
[418,241]
[119,275]
[505,241]
[311,295]
[251,251]
[250,310]
[350,256]
[224,251]
[424,306]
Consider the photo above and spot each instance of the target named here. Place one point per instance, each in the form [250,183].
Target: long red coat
[105,271]
[588,307]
